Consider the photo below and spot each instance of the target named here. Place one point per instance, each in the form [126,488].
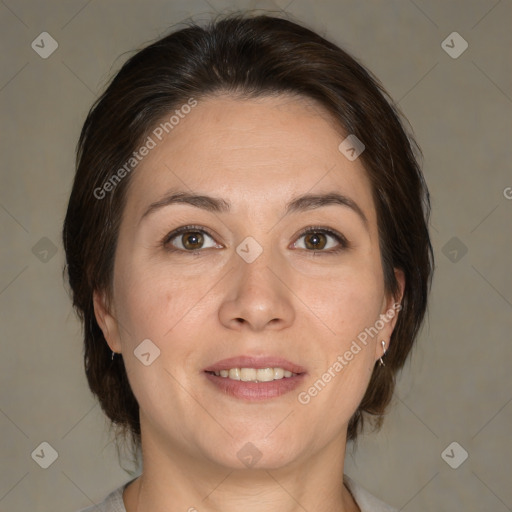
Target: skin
[257,154]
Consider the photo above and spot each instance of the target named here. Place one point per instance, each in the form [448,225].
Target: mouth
[255,378]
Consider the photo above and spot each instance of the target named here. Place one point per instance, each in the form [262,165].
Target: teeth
[255,375]
[234,373]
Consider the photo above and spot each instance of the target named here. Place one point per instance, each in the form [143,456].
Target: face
[246,281]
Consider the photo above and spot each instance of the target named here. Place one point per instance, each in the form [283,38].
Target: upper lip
[257,362]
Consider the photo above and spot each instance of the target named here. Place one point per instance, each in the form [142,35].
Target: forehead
[251,152]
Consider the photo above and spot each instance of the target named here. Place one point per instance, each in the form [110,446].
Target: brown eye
[188,239]
[192,240]
[321,240]
[315,241]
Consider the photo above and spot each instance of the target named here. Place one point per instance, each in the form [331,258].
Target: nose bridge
[257,294]
[253,263]
[255,257]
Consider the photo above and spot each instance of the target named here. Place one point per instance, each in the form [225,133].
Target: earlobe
[106,321]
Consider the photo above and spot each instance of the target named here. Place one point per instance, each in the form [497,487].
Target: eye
[317,239]
[188,239]
[191,239]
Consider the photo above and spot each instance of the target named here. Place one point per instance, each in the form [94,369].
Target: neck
[174,480]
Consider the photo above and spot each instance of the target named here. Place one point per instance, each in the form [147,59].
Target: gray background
[456,386]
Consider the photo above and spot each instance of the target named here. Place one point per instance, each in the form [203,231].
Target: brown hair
[252,56]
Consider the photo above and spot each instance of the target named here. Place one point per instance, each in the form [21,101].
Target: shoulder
[112,503]
[366,501]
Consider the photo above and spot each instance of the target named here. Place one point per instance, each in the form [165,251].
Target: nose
[257,296]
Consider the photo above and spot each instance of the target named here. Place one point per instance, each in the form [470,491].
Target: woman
[247,245]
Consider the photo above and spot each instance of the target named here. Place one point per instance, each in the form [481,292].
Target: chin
[255,452]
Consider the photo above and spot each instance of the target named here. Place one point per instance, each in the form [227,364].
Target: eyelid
[185,229]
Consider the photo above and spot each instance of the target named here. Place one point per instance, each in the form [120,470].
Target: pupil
[316,239]
[195,237]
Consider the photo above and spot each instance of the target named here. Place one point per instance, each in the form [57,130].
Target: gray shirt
[366,502]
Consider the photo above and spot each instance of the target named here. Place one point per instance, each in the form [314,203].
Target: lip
[257,362]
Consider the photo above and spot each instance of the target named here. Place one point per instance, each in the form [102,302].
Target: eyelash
[343,242]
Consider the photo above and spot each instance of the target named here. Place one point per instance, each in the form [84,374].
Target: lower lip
[255,391]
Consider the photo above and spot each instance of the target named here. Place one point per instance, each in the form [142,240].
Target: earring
[113,354]
[384,353]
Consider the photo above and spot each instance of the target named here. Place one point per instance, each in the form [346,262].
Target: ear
[389,314]
[106,320]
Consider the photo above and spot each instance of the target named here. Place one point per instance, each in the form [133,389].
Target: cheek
[348,305]
[159,308]
[351,302]
[153,302]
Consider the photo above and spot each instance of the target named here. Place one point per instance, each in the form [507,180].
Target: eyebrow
[301,203]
